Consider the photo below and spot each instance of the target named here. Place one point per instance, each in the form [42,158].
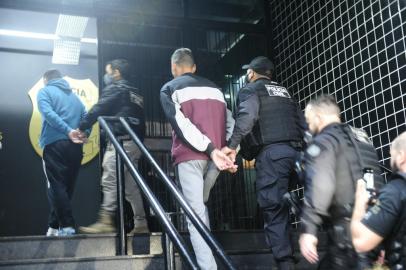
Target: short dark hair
[264,72]
[52,74]
[183,57]
[326,103]
[121,65]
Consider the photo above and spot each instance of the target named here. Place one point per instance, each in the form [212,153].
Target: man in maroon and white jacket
[197,112]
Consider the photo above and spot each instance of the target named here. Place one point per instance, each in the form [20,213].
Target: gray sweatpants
[197,177]
[109,183]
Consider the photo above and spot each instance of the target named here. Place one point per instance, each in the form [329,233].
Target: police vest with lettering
[278,114]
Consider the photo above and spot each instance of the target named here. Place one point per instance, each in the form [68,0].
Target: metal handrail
[174,235]
[197,222]
[153,201]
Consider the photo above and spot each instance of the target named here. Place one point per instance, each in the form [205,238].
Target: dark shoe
[286,265]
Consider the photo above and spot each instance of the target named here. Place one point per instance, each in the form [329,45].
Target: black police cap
[260,63]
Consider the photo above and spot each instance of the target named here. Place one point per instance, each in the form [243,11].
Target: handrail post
[122,241]
[169,250]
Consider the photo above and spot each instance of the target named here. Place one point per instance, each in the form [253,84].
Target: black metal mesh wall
[354,50]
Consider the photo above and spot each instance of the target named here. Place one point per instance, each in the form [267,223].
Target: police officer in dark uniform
[386,220]
[335,159]
[270,126]
[119,99]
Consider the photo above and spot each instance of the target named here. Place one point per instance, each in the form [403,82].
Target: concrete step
[134,262]
[81,245]
[97,245]
[243,261]
[247,249]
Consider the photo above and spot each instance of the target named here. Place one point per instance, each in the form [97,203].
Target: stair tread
[89,246]
[123,257]
[72,237]
[76,259]
[107,235]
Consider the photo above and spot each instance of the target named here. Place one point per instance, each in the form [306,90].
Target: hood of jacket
[60,83]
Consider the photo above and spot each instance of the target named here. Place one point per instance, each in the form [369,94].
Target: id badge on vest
[277,91]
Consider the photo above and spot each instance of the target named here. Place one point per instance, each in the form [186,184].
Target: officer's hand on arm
[308,247]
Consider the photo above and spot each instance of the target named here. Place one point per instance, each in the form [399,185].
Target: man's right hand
[232,153]
[308,247]
[77,137]
[222,161]
[83,136]
[233,169]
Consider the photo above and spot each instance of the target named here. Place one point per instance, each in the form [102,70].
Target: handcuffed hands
[78,136]
[231,155]
[222,161]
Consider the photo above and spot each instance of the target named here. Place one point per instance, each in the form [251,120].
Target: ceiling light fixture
[70,30]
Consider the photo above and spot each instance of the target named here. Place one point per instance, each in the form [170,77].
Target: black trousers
[340,252]
[61,161]
[274,168]
[337,259]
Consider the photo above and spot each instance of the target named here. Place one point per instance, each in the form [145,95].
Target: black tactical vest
[367,156]
[395,245]
[361,155]
[355,147]
[278,115]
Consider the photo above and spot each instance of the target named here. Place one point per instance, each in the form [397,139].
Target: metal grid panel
[354,50]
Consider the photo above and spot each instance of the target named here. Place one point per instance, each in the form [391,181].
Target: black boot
[286,265]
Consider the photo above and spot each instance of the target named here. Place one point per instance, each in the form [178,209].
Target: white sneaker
[67,231]
[52,232]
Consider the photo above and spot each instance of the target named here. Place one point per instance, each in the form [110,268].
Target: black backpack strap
[350,133]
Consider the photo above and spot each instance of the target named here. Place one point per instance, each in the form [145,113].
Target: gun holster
[294,203]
